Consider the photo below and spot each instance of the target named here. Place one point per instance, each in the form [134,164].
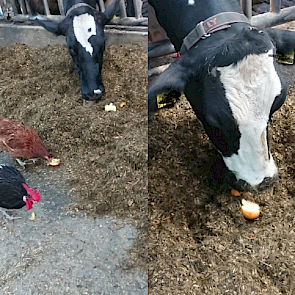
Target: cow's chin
[90,100]
[88,103]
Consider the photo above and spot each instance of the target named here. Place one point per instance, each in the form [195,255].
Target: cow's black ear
[63,27]
[53,27]
[284,40]
[168,85]
[280,99]
[111,11]
[49,25]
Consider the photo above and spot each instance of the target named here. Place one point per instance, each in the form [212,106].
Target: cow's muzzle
[93,97]
[268,182]
[223,175]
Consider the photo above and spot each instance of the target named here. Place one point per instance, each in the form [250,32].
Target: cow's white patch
[84,27]
[251,87]
[97,91]
[191,2]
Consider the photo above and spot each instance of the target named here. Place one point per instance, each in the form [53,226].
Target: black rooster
[14,192]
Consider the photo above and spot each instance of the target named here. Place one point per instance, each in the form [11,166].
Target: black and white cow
[83,27]
[230,77]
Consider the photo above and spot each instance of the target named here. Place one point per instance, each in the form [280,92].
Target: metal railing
[275,7]
[275,16]
[20,10]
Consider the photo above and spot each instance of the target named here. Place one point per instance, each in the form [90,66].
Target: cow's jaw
[253,163]
[250,88]
[84,27]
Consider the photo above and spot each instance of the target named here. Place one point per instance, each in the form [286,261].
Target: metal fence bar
[23,6]
[137,8]
[270,19]
[28,7]
[46,7]
[122,6]
[61,7]
[247,7]
[22,12]
[101,6]
[275,6]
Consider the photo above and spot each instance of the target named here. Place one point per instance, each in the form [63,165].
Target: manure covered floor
[199,241]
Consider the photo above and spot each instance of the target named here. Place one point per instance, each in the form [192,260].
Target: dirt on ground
[103,154]
[199,241]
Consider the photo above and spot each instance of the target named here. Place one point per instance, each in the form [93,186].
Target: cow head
[234,86]
[83,27]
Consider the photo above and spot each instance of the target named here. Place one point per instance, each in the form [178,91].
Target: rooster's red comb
[33,193]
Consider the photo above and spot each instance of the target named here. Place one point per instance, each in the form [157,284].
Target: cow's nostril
[95,95]
[268,182]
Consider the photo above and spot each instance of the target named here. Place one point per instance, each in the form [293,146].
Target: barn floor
[103,154]
[199,241]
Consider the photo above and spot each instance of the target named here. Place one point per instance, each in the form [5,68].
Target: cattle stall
[159,45]
[17,23]
[131,12]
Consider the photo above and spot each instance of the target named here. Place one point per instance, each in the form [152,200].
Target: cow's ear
[53,27]
[167,87]
[110,11]
[63,26]
[284,40]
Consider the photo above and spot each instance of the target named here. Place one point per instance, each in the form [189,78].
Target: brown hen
[21,141]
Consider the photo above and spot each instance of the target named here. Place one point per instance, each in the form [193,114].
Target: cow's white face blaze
[250,88]
[84,27]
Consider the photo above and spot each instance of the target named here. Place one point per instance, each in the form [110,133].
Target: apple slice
[250,210]
[54,162]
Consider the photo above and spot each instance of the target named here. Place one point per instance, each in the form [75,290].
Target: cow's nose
[267,182]
[92,97]
[98,92]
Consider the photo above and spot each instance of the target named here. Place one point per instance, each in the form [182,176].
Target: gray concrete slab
[64,252]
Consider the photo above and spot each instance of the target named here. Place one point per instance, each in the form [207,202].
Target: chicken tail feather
[33,193]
